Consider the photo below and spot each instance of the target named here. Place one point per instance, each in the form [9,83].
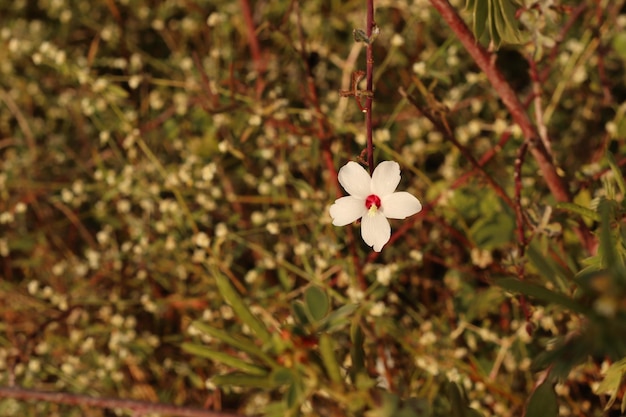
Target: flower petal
[400,205]
[386,178]
[355,179]
[375,231]
[346,210]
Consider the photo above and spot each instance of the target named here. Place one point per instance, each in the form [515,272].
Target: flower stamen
[372,203]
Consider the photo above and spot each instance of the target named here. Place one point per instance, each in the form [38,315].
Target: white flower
[373,200]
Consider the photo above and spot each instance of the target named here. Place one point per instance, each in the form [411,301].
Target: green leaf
[360,36]
[578,209]
[327,351]
[294,395]
[510,30]
[357,353]
[238,379]
[479,15]
[243,344]
[496,18]
[224,358]
[548,268]
[543,402]
[617,173]
[388,406]
[491,23]
[300,312]
[459,402]
[612,381]
[541,293]
[493,231]
[338,318]
[608,246]
[619,44]
[232,298]
[316,302]
[282,376]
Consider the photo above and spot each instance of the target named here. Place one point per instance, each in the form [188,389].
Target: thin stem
[443,127]
[255,47]
[109,403]
[537,93]
[522,241]
[370,88]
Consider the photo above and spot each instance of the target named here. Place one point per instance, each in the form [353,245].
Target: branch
[484,60]
[370,85]
[84,400]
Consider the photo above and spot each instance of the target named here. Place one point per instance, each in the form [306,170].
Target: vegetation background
[166,169]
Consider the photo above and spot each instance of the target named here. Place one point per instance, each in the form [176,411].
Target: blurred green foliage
[164,194]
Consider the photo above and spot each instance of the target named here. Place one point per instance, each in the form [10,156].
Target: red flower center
[372,200]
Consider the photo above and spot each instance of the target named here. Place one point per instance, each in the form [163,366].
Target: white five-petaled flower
[373,200]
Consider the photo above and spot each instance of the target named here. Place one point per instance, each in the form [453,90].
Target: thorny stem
[369,80]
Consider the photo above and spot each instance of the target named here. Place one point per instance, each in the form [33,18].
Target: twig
[519,219]
[611,14]
[255,48]
[537,93]
[110,403]
[442,126]
[369,75]
[575,14]
[204,80]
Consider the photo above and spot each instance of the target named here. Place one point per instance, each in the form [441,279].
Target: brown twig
[442,126]
[255,47]
[108,403]
[611,13]
[538,105]
[204,80]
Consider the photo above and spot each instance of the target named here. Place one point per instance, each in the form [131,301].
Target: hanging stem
[369,80]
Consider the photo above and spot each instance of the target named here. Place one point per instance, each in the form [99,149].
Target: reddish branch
[141,407]
[370,84]
[484,60]
[536,147]
[255,48]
